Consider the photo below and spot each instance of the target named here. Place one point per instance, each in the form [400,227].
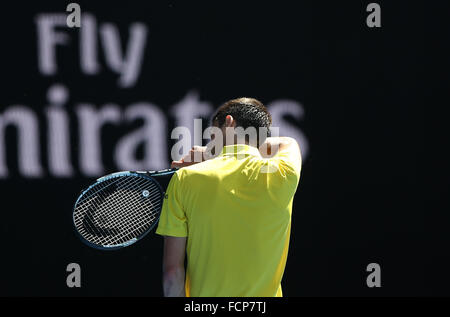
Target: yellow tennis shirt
[235,211]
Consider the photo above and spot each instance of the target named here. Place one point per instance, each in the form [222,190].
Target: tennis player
[231,214]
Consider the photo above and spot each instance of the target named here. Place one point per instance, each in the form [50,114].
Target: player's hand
[195,155]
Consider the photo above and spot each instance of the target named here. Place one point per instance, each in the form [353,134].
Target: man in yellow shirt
[231,214]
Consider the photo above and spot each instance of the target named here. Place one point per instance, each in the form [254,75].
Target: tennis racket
[119,209]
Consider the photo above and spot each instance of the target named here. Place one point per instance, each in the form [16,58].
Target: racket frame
[145,174]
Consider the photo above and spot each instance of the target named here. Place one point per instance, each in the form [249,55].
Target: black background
[362,89]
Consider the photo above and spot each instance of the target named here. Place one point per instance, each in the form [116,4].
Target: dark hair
[247,112]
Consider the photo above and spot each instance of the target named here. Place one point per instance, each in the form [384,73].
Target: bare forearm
[173,282]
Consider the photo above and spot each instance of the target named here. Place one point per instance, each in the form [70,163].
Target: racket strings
[95,194]
[122,216]
[135,223]
[116,211]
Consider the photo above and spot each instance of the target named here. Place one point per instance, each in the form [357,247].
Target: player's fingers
[177,164]
[180,164]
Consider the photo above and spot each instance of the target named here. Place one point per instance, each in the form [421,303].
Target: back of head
[247,112]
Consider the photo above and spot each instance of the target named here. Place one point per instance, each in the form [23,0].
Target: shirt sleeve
[172,221]
[289,162]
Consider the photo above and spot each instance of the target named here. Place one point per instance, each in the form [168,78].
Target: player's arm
[274,145]
[285,148]
[195,155]
[173,266]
